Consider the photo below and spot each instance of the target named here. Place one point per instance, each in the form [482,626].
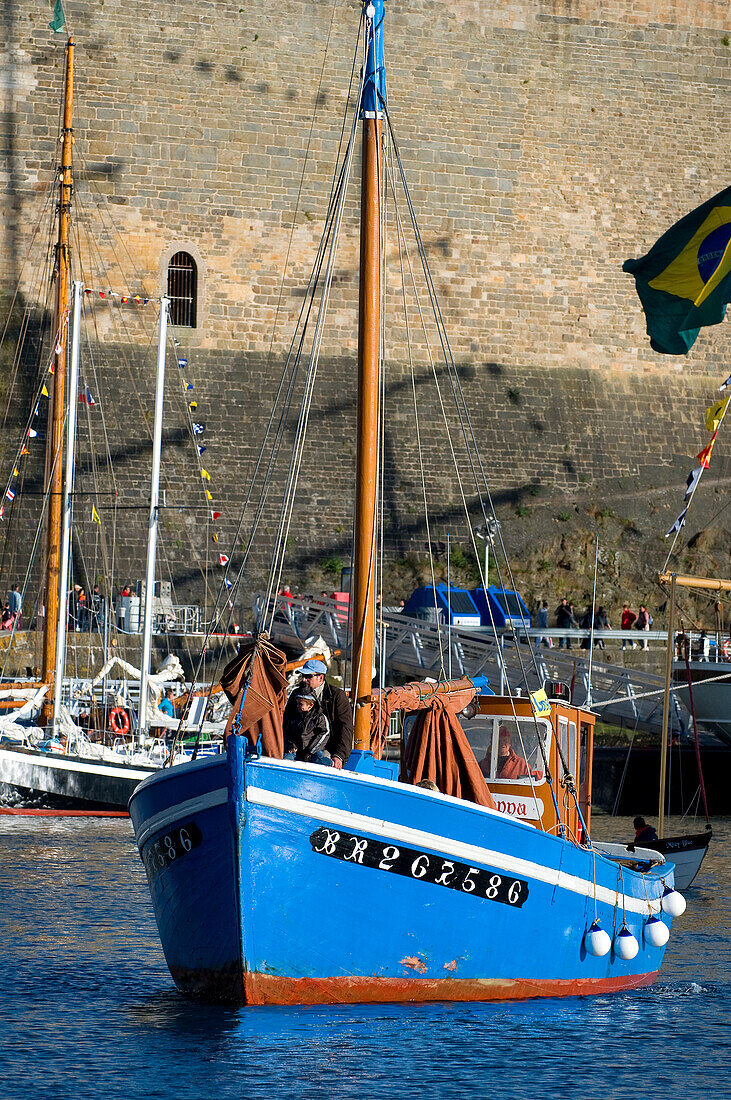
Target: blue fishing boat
[474,879]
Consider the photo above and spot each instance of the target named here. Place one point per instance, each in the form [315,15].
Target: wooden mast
[54,443]
[369,317]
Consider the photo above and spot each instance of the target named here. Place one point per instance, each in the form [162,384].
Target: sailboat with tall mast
[413,879]
[65,763]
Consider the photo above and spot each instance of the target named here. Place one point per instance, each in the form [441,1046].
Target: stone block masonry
[545,143]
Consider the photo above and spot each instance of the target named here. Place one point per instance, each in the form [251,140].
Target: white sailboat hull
[84,781]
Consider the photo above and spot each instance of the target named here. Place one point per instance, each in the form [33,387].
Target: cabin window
[567,740]
[182,290]
[491,735]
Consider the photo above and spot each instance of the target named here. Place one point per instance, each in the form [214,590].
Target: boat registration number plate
[170,847]
[426,867]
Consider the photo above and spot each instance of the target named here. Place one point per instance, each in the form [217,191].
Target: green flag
[684,281]
[59,19]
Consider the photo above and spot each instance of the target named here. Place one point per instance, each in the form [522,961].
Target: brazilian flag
[684,281]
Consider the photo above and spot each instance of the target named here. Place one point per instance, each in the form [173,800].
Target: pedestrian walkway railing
[413,648]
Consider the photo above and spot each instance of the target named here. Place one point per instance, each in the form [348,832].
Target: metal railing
[418,649]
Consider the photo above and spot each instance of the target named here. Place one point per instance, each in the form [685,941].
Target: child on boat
[306,730]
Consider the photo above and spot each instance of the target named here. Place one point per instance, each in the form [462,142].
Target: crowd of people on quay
[592,619]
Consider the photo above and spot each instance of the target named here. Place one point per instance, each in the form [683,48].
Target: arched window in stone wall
[182,290]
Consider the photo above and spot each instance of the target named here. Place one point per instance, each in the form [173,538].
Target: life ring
[727,649]
[119,720]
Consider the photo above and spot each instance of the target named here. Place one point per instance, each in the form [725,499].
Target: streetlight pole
[488,531]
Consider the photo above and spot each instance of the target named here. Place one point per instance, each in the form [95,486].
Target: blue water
[88,1008]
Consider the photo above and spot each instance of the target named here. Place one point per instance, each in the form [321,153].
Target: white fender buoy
[597,941]
[625,944]
[673,903]
[657,932]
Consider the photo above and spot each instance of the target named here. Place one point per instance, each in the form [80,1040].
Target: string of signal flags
[86,397]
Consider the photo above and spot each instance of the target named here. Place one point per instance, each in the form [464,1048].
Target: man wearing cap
[336,706]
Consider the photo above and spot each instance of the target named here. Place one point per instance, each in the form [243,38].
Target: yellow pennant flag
[44,391]
[540,704]
[716,413]
[205,475]
[16,471]
[94,515]
[209,494]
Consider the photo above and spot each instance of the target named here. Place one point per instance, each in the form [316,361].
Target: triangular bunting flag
[201,448]
[705,455]
[223,559]
[209,494]
[692,481]
[205,475]
[215,516]
[94,515]
[44,391]
[680,522]
[716,413]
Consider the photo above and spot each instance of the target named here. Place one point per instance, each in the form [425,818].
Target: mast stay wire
[320,282]
[289,498]
[463,412]
[289,372]
[403,250]
[465,421]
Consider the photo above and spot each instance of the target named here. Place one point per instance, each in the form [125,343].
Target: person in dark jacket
[644,833]
[564,621]
[306,729]
[336,705]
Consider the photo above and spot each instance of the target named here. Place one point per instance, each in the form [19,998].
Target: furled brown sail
[259,669]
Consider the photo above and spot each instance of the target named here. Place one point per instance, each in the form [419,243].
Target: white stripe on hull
[165,818]
[57,762]
[471,853]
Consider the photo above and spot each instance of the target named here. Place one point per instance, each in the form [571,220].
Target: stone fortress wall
[545,142]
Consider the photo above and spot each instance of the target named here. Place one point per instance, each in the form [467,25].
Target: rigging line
[290,370]
[306,307]
[449,359]
[46,210]
[460,401]
[300,187]
[300,438]
[403,250]
[116,235]
[305,313]
[499,651]
[101,546]
[36,541]
[135,387]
